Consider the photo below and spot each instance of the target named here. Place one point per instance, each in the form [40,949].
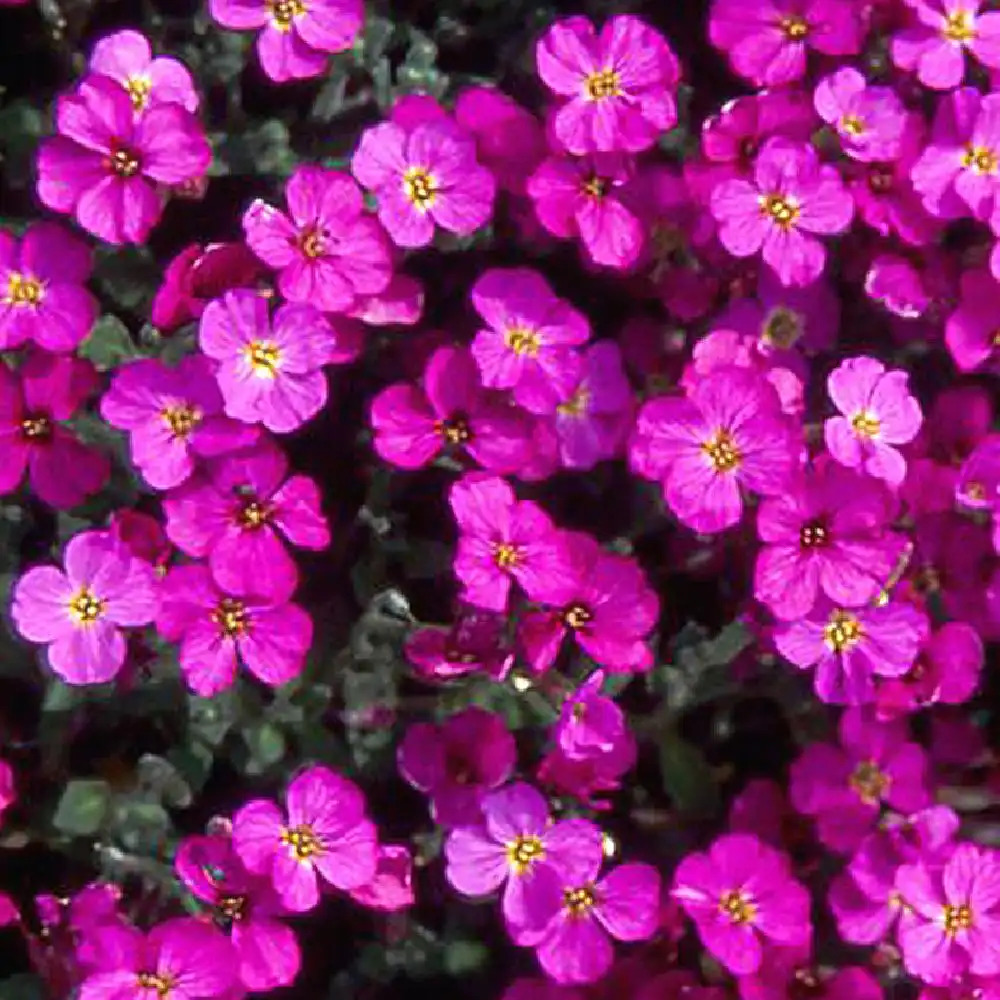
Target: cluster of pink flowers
[865,505]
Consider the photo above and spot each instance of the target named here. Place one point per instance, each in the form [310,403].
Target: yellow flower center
[23,291]
[813,535]
[521,340]
[163,984]
[123,162]
[181,418]
[139,89]
[576,405]
[866,424]
[231,617]
[980,159]
[602,84]
[870,782]
[784,211]
[264,358]
[311,242]
[284,12]
[595,187]
[959,27]
[737,905]
[254,514]
[86,607]
[956,918]
[578,902]
[302,842]
[795,27]
[576,616]
[36,428]
[782,328]
[506,555]
[455,430]
[853,125]
[232,907]
[523,852]
[420,187]
[842,632]
[721,451]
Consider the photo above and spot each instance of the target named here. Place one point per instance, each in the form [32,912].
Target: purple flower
[267,952]
[850,647]
[174,416]
[216,629]
[34,404]
[970,331]
[792,199]
[519,847]
[502,539]
[297,35]
[529,344]
[269,372]
[42,298]
[457,763]
[450,409]
[79,612]
[127,58]
[728,435]
[741,894]
[424,177]
[616,88]
[329,253]
[181,959]
[868,120]
[104,165]
[391,887]
[235,513]
[952,920]
[475,642]
[324,835]
[590,724]
[585,778]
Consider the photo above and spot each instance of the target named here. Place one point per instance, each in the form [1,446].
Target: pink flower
[216,629]
[424,177]
[329,253]
[868,120]
[767,40]
[42,298]
[174,416]
[475,642]
[391,887]
[934,45]
[728,434]
[78,612]
[127,58]
[297,35]
[457,763]
[34,405]
[792,199]
[269,371]
[617,88]
[325,835]
[575,197]
[519,847]
[236,511]
[952,921]
[971,330]
[590,724]
[8,793]
[586,778]
[529,344]
[741,894]
[105,165]
[450,410]
[502,539]
[877,412]
[180,959]
[849,647]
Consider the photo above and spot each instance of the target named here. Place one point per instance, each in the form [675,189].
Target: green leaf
[687,777]
[266,744]
[464,957]
[265,149]
[83,807]
[23,987]
[109,344]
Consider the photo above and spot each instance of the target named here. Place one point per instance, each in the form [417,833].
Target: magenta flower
[267,952]
[391,887]
[475,642]
[449,410]
[325,835]
[952,921]
[605,603]
[8,794]
[863,897]
[575,946]
[792,200]
[297,35]
[978,486]
[269,371]
[740,895]
[502,539]
[127,58]
[934,44]
[877,412]
[850,647]
[457,763]
[843,788]
[517,846]
[767,40]
[726,436]
[590,724]
[235,513]
[616,88]
[180,959]
[582,198]
[868,120]
[587,778]
[529,343]
[971,330]
[174,416]
[42,298]
[46,391]
[328,252]
[826,533]
[216,630]
[424,177]
[78,612]
[104,165]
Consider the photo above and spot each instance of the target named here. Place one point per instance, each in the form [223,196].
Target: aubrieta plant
[500,500]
